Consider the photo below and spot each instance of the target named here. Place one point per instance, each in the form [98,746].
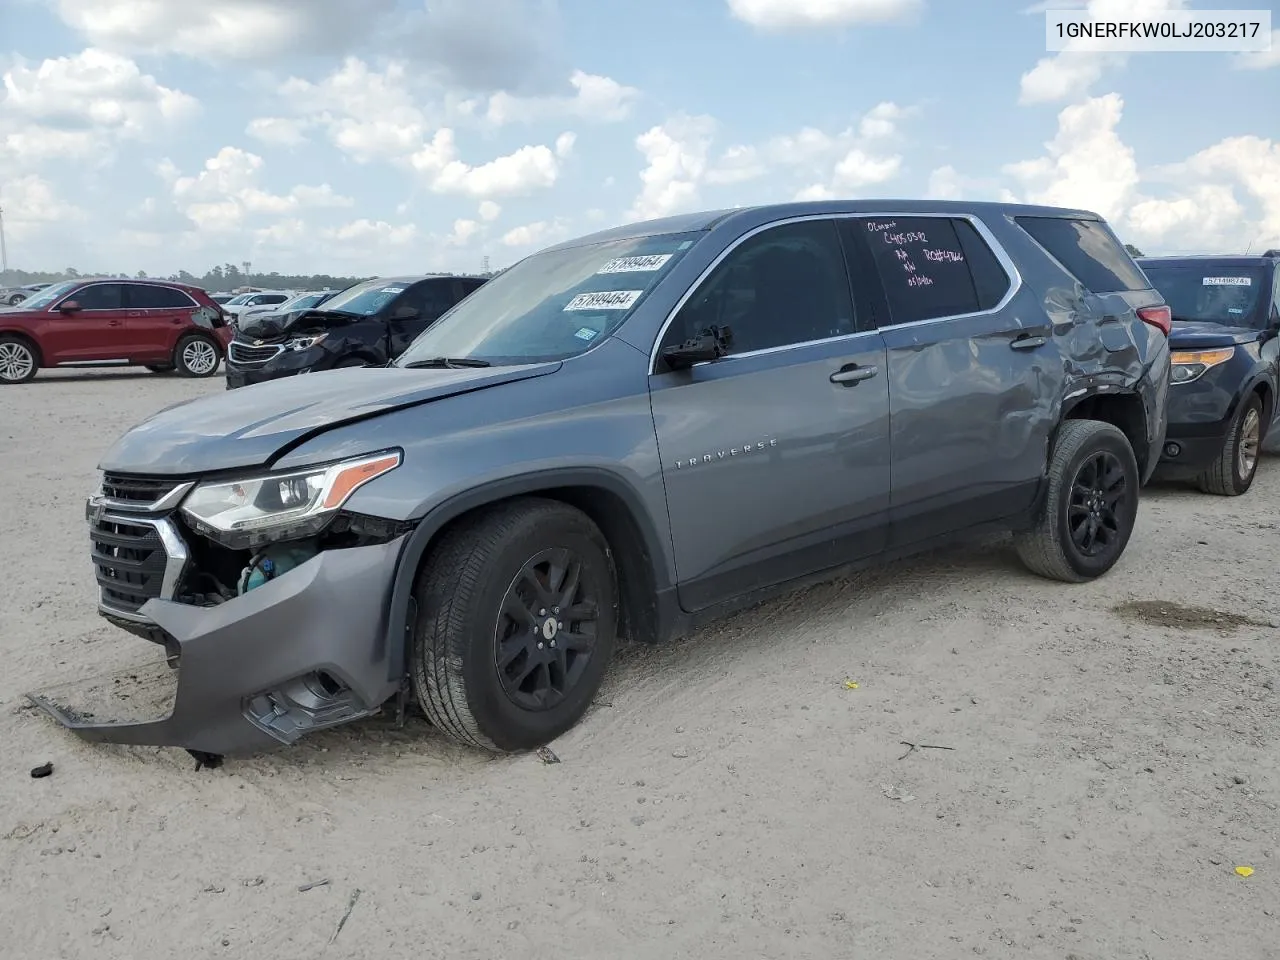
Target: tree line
[221,279]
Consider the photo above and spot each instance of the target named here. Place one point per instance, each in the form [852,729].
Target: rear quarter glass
[1089,251]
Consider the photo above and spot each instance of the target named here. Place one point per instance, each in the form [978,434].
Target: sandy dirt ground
[1113,758]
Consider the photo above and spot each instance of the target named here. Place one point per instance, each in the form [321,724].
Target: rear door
[972,371]
[158,316]
[775,458]
[96,331]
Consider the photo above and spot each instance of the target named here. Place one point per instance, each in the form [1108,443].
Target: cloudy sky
[375,136]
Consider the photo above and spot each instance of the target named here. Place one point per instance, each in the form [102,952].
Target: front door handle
[1026,342]
[853,374]
[115,323]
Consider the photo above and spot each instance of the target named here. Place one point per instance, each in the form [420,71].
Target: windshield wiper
[446,362]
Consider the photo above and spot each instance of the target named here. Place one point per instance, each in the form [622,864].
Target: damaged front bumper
[302,652]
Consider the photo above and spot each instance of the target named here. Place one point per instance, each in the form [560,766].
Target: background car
[15,295]
[269,298]
[221,298]
[160,325]
[1225,338]
[367,324]
[295,304]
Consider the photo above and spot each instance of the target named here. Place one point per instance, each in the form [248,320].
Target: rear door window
[143,297]
[1088,250]
[923,267]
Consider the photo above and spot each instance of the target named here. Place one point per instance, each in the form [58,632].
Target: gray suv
[621,437]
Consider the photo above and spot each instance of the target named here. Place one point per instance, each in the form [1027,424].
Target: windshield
[48,295]
[238,299]
[367,298]
[554,304]
[1206,292]
[301,302]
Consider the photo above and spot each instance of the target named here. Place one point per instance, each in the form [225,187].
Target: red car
[160,325]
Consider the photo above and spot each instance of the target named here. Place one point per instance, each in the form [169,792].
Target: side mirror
[405,312]
[712,344]
[69,306]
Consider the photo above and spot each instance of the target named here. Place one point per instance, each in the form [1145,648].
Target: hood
[271,326]
[252,426]
[1204,335]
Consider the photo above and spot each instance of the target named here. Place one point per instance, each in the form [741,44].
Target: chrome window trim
[176,557]
[1012,274]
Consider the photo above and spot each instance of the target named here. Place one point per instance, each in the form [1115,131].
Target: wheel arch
[612,504]
[26,338]
[1123,409]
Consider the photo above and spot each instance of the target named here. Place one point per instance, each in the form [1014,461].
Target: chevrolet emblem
[257,343]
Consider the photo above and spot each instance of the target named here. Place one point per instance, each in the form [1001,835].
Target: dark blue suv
[1225,341]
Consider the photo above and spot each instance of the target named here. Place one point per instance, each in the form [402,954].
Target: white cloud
[78,106]
[1262,59]
[278,131]
[376,233]
[1192,206]
[525,171]
[31,204]
[222,195]
[538,234]
[675,156]
[564,145]
[597,99]
[489,211]
[1071,72]
[221,30]
[1086,163]
[369,114]
[463,232]
[778,15]
[679,163]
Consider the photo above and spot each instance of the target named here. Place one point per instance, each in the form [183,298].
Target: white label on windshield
[392,290]
[1228,281]
[635,264]
[604,300]
[586,333]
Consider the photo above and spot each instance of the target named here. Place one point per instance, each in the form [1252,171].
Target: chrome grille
[140,490]
[247,355]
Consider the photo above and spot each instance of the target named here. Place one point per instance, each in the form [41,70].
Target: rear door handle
[853,374]
[1026,342]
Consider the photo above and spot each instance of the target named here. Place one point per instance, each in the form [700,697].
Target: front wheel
[513,623]
[18,362]
[196,356]
[1090,506]
[1233,472]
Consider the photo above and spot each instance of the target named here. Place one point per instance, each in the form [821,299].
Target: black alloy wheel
[1099,500]
[546,631]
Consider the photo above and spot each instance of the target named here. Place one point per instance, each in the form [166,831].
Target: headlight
[1190,364]
[304,343]
[282,506]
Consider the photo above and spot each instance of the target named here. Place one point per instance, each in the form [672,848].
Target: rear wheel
[196,356]
[513,623]
[1090,507]
[16,299]
[18,362]
[1233,472]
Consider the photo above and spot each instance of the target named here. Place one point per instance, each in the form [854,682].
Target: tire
[16,299]
[160,367]
[1049,548]
[461,630]
[1233,472]
[196,356]
[19,360]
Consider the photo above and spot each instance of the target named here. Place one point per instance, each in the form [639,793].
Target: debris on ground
[893,793]
[313,884]
[546,755]
[351,905]
[1244,871]
[44,770]
[913,747]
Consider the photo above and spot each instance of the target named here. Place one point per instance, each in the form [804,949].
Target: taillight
[1159,317]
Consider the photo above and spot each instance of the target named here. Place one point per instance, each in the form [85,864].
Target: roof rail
[1272,253]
